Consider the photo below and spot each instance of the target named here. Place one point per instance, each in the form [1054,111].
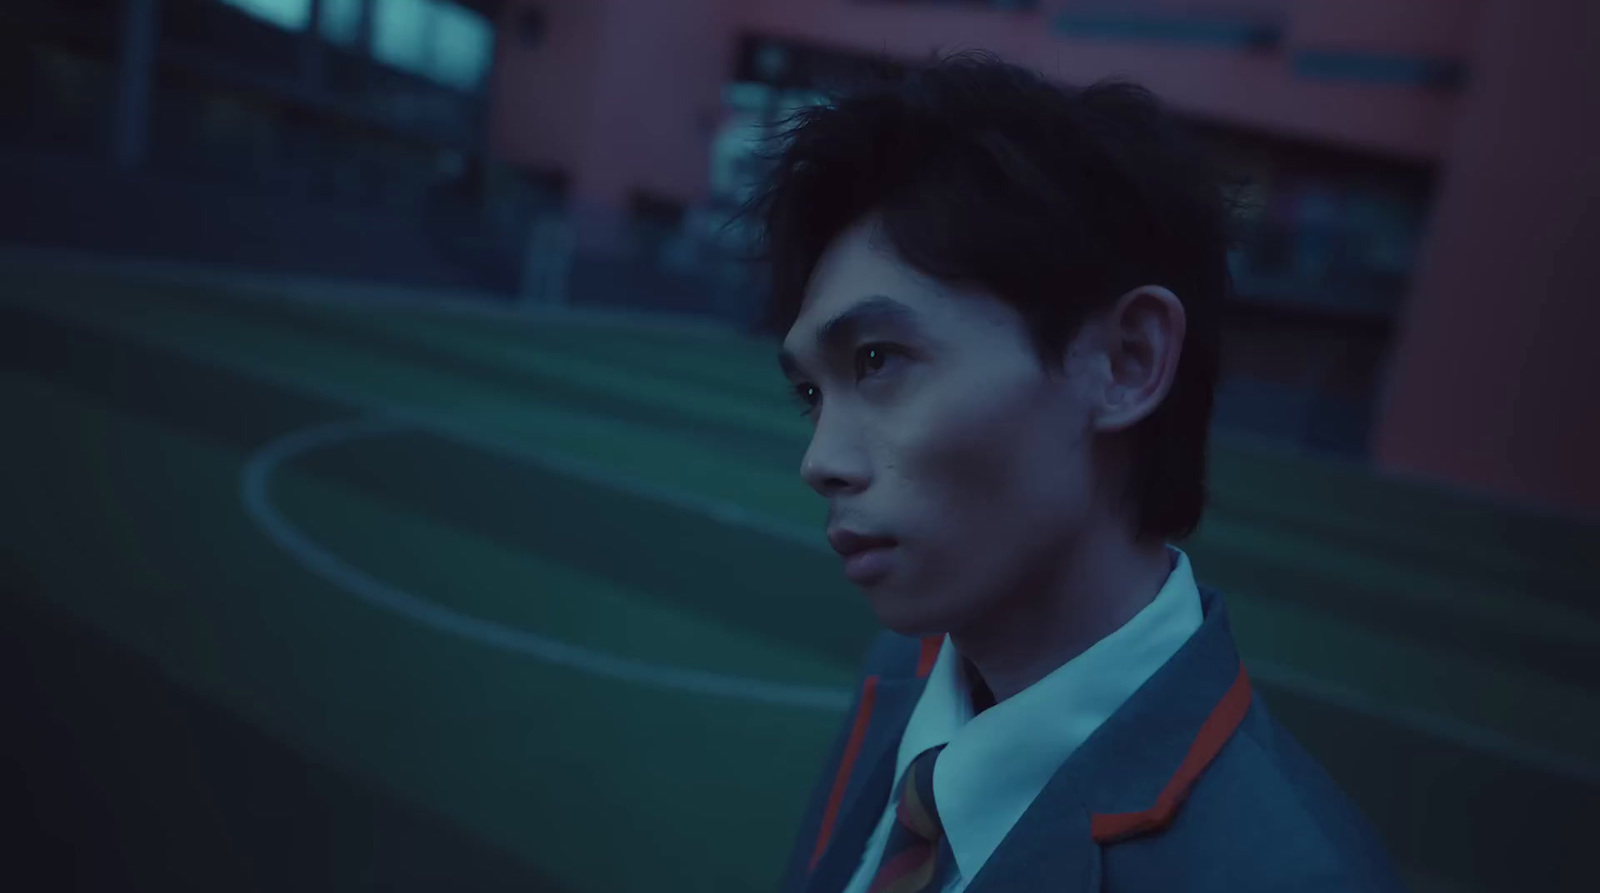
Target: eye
[872,358]
[806,395]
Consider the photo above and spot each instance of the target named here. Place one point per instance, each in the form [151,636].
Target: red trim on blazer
[847,764]
[1214,733]
[930,653]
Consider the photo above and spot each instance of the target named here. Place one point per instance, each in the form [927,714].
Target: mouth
[869,565]
[867,559]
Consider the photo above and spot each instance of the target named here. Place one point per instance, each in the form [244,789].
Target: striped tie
[914,860]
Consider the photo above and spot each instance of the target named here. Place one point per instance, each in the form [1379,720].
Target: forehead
[857,263]
[859,266]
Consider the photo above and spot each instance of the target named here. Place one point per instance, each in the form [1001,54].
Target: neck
[1100,586]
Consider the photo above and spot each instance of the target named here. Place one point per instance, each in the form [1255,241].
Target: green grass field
[238,714]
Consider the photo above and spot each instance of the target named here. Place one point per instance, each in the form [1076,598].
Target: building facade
[1415,288]
[1413,291]
[339,137]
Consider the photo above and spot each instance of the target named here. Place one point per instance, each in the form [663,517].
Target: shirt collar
[997,762]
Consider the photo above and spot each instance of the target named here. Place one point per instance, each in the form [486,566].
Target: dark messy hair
[1055,199]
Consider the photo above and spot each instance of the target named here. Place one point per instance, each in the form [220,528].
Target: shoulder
[1322,804]
[1263,817]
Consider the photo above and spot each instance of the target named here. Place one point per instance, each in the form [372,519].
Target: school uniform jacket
[1189,787]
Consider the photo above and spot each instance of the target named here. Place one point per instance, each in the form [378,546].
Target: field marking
[261,465]
[467,431]
[461,431]
[1463,735]
[254,492]
[264,286]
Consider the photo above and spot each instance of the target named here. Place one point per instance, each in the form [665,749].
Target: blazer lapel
[1051,847]
[1131,776]
[871,779]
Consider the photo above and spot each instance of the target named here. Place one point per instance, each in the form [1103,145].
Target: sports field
[314,589]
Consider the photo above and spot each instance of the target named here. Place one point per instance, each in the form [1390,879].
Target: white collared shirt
[995,763]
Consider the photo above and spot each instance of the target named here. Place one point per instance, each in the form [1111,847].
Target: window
[340,22]
[463,46]
[436,39]
[400,33]
[292,15]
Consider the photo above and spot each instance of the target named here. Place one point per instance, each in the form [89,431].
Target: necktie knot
[916,858]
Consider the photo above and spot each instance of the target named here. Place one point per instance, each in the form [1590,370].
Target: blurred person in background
[1001,302]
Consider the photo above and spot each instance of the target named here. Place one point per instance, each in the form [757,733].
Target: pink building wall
[1421,27]
[542,93]
[1249,88]
[620,94]
[624,93]
[1495,383]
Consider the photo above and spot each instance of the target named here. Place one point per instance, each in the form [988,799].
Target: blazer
[1190,787]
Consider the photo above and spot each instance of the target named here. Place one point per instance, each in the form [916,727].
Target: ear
[1142,337]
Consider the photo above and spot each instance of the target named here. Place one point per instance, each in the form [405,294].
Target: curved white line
[257,475]
[259,468]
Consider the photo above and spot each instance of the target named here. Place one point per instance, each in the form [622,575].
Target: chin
[908,612]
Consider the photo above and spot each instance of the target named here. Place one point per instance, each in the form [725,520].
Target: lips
[867,558]
[849,542]
[869,566]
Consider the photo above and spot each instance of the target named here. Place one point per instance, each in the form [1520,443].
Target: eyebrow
[847,325]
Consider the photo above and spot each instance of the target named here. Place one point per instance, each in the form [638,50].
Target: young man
[1001,303]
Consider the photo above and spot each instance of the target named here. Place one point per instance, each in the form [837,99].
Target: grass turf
[139,403]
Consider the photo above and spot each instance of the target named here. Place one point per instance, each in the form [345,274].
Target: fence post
[136,52]
[547,262]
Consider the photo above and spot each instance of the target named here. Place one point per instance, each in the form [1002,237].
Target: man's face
[939,437]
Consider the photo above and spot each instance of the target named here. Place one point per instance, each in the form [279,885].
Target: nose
[834,464]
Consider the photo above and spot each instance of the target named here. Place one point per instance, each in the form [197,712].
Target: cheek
[987,460]
[985,491]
